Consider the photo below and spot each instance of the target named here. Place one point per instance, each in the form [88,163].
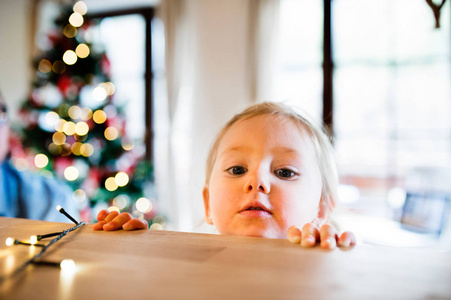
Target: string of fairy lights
[33,241]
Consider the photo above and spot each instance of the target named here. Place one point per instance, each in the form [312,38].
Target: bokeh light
[76,148]
[99,93]
[70,31]
[69,128]
[54,149]
[143,205]
[99,116]
[121,201]
[41,160]
[121,178]
[45,66]
[113,208]
[59,125]
[79,195]
[82,50]
[111,133]
[108,87]
[69,57]
[59,138]
[110,184]
[51,118]
[86,113]
[21,164]
[87,150]
[81,128]
[59,67]
[76,19]
[71,173]
[156,226]
[127,144]
[66,149]
[74,112]
[80,7]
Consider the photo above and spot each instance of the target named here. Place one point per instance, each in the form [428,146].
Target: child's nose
[258,183]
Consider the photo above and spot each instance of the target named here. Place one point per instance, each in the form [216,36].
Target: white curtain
[172,143]
[218,56]
[263,36]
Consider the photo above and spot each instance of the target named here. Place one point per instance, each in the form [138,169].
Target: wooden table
[175,265]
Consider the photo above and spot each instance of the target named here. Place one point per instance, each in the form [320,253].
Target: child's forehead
[270,122]
[266,129]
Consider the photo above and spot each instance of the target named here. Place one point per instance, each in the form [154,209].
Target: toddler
[269,172]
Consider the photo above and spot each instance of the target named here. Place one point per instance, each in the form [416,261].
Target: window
[392,75]
[392,92]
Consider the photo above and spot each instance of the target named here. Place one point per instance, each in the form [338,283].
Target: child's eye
[285,173]
[237,170]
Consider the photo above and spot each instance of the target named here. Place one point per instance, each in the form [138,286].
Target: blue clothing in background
[31,196]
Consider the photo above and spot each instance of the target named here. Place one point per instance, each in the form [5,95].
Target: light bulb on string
[68,266]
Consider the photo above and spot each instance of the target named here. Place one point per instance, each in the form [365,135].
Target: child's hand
[327,236]
[114,221]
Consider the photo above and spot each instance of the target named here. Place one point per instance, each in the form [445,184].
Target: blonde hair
[323,147]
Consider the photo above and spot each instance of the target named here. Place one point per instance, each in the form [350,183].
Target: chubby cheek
[298,209]
[221,205]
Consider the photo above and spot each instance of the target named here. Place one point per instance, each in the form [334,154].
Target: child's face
[265,179]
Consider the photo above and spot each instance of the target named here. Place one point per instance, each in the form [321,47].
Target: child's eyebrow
[276,149]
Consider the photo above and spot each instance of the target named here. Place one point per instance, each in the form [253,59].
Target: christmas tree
[74,130]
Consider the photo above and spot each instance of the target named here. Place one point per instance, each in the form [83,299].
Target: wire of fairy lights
[44,248]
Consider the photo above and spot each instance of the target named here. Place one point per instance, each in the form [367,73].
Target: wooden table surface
[176,265]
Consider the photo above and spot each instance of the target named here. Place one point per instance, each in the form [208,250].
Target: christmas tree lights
[72,127]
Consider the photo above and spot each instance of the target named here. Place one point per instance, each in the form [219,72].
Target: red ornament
[63,84]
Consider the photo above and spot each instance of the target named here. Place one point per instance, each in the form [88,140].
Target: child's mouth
[255,212]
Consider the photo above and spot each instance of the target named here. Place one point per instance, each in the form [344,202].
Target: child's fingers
[328,236]
[294,235]
[117,222]
[310,234]
[102,214]
[104,217]
[347,239]
[135,224]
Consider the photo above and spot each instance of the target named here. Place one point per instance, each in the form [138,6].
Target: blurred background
[158,79]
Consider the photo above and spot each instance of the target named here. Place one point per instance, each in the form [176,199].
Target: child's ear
[206,195]
[325,209]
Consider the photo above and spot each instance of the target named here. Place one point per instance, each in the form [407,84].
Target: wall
[15,50]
